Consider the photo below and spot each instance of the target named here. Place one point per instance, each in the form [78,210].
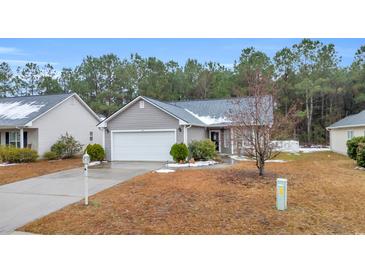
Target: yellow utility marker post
[281,193]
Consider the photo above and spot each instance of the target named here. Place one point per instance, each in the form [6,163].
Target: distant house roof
[19,111]
[350,121]
[198,112]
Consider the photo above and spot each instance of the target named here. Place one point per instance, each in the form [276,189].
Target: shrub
[202,150]
[50,155]
[360,157]
[179,152]
[96,152]
[17,155]
[352,146]
[66,146]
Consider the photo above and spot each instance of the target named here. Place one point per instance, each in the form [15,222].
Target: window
[14,138]
[225,138]
[141,104]
[350,134]
[91,136]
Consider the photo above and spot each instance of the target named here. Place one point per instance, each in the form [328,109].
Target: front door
[214,136]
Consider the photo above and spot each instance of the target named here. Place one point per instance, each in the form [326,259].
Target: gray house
[145,129]
[38,121]
[345,129]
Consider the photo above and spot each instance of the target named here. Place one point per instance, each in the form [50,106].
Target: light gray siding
[197,133]
[70,116]
[136,118]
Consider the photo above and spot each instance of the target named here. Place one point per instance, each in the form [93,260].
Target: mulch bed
[325,196]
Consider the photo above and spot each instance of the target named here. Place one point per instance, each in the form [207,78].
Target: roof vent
[141,104]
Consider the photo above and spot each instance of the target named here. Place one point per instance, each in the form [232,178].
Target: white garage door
[142,145]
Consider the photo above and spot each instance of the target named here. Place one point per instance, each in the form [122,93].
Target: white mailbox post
[281,193]
[86,161]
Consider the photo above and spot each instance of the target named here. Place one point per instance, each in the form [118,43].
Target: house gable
[72,117]
[135,117]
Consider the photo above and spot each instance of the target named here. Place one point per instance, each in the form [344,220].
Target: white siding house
[345,129]
[38,121]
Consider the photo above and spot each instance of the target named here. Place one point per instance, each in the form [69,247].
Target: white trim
[135,130]
[219,137]
[103,138]
[348,126]
[21,135]
[232,141]
[30,123]
[185,135]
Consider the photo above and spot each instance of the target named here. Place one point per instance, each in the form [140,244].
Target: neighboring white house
[345,129]
[38,121]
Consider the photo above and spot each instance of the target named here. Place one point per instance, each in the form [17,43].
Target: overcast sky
[70,52]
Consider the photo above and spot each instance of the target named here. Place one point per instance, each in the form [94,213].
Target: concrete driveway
[24,201]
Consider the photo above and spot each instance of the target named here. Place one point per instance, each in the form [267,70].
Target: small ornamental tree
[253,122]
[179,152]
[66,146]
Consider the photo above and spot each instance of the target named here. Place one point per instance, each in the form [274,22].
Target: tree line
[307,76]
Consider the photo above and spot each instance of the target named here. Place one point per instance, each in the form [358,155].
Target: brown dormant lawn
[10,174]
[326,196]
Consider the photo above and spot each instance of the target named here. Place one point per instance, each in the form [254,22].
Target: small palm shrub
[352,145]
[96,152]
[66,146]
[179,152]
[202,150]
[50,155]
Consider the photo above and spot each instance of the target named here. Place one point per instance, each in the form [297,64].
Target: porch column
[185,135]
[21,131]
[103,139]
[232,141]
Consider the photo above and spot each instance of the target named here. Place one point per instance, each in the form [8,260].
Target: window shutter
[6,138]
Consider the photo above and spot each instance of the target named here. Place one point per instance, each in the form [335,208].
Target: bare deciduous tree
[253,121]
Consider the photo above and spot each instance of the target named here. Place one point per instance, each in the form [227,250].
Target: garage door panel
[143,146]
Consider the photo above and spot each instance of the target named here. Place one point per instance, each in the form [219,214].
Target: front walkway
[25,201]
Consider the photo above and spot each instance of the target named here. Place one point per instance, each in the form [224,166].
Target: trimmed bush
[12,154]
[352,146]
[360,157]
[179,152]
[96,152]
[202,150]
[50,155]
[66,146]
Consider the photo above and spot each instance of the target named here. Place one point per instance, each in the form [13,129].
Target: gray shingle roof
[176,111]
[213,108]
[202,112]
[352,120]
[18,111]
[218,108]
